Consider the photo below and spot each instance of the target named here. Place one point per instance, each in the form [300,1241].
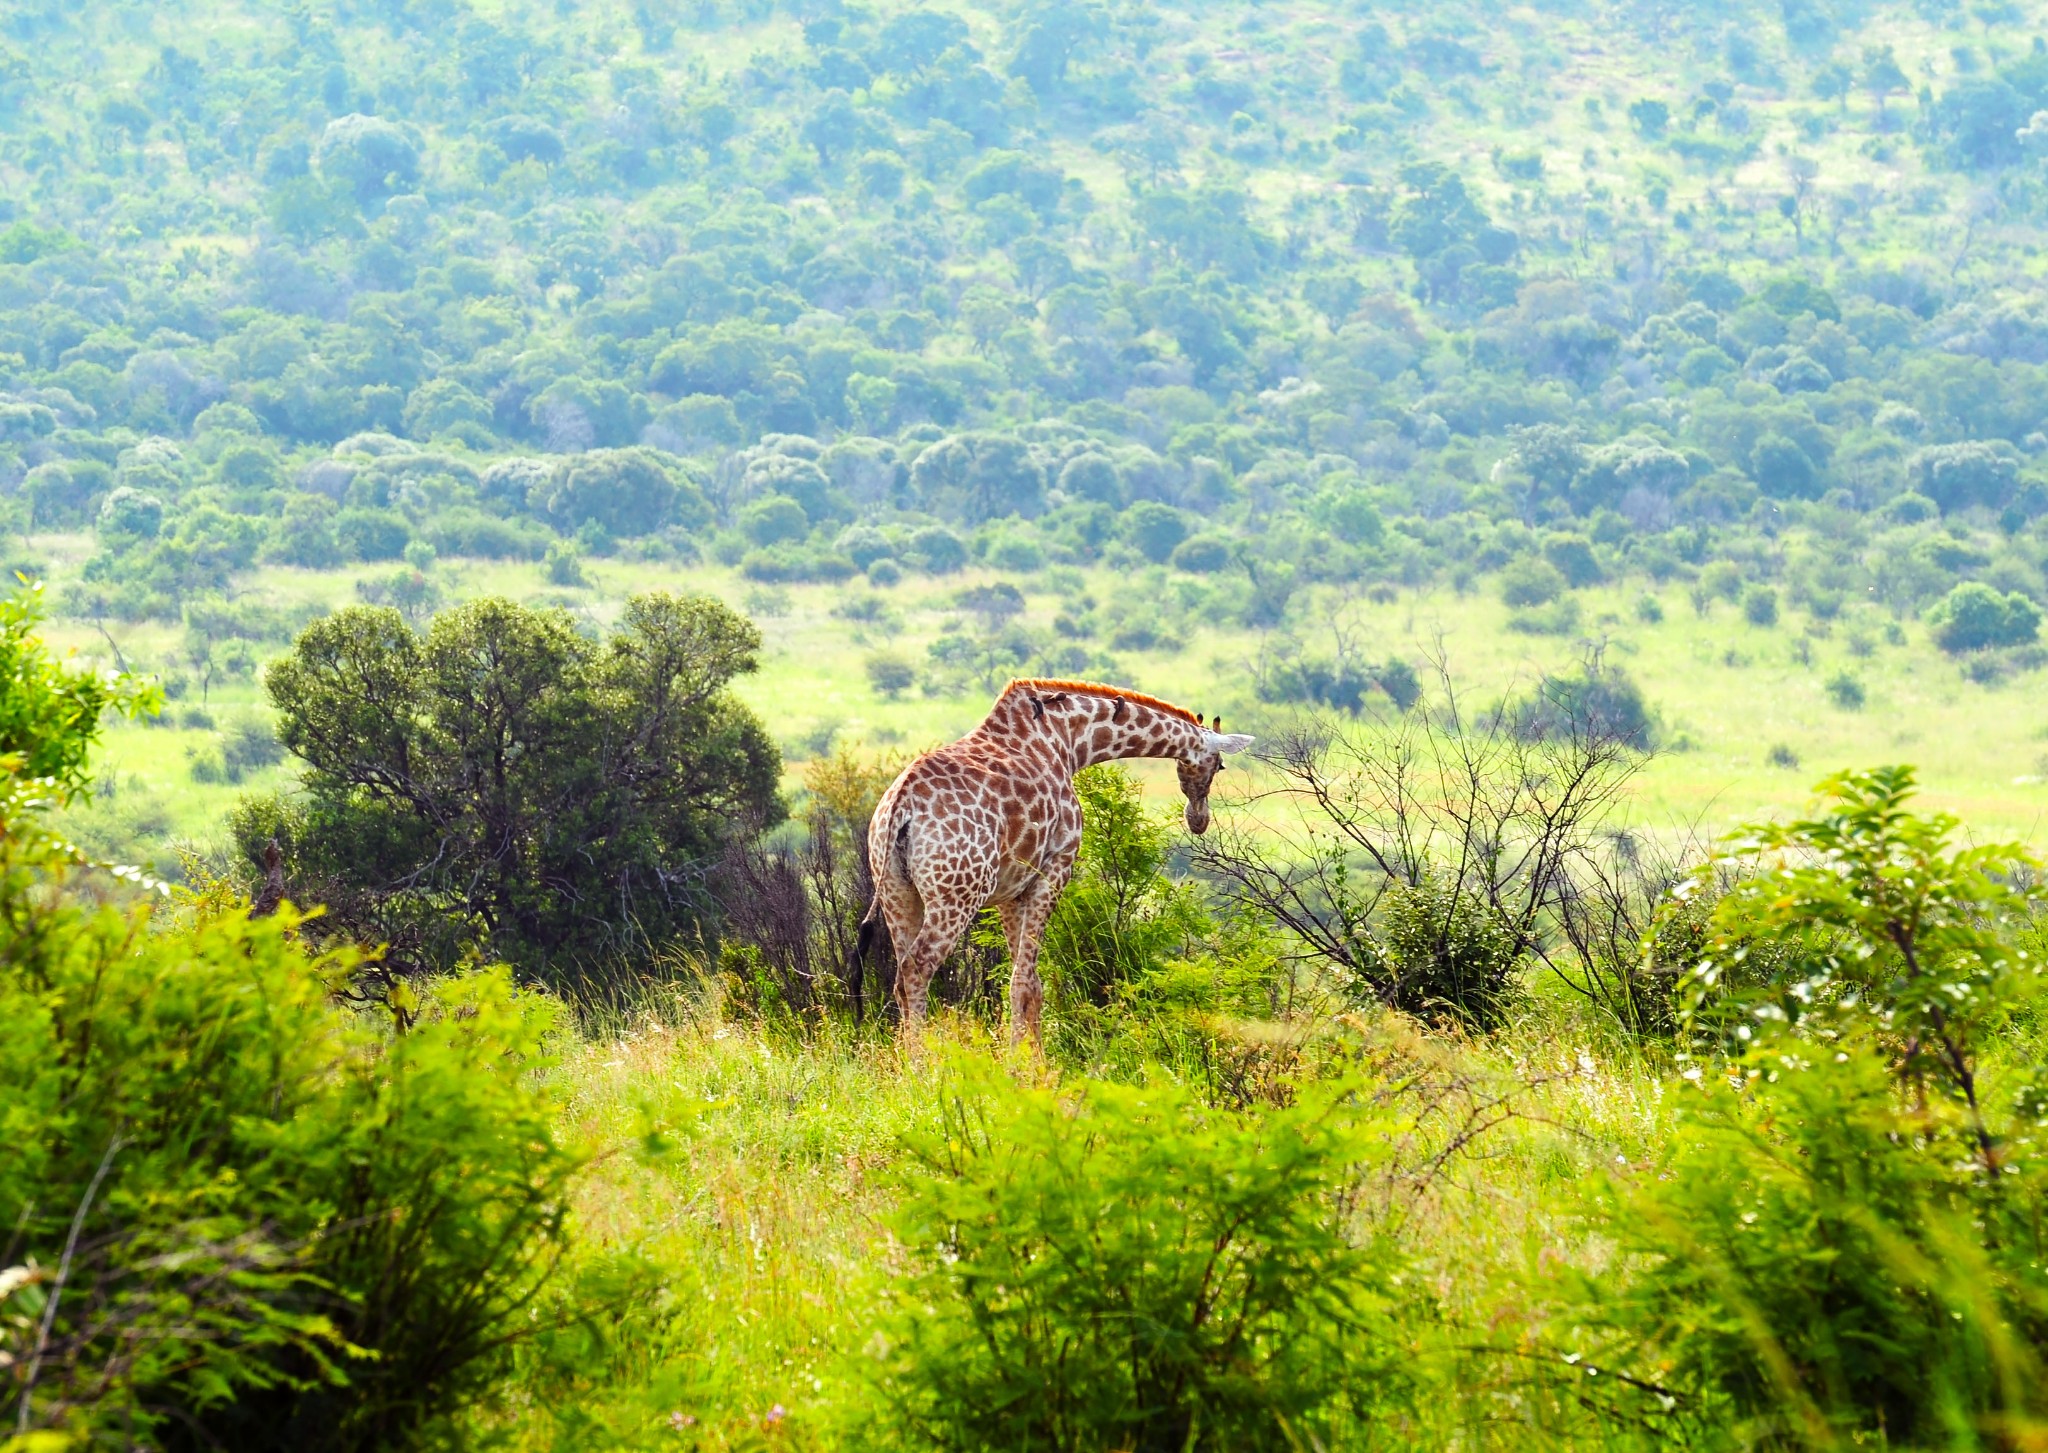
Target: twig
[35,1361]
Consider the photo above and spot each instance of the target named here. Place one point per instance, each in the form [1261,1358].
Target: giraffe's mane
[1096,688]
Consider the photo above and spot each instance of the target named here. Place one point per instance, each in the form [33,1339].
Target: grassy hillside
[1745,718]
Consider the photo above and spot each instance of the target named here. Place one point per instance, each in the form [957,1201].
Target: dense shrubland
[1274,301]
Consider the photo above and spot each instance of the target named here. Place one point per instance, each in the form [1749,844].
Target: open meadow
[1745,722]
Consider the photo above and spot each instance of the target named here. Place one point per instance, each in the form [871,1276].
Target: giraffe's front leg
[1024,926]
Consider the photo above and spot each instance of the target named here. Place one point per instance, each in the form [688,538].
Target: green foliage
[1814,1272]
[1975,617]
[1532,581]
[215,1169]
[1112,1267]
[1841,1243]
[50,713]
[240,1167]
[504,781]
[1597,700]
[1440,952]
[1899,931]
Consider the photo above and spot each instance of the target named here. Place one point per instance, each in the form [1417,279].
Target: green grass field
[1746,724]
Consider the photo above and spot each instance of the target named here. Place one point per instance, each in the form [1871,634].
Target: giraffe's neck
[1083,728]
[1137,730]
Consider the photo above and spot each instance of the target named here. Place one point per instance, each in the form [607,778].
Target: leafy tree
[502,781]
[774,519]
[1975,617]
[1782,469]
[372,157]
[364,534]
[1649,116]
[131,513]
[890,675]
[1957,476]
[627,492]
[1882,78]
[51,713]
[938,549]
[1092,477]
[1155,530]
[1573,556]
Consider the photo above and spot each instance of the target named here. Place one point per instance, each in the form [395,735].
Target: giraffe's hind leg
[945,921]
[902,911]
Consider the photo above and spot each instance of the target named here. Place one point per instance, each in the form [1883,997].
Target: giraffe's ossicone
[993,819]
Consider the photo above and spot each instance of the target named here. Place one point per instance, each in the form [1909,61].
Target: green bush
[248,1167]
[774,520]
[1202,554]
[1529,581]
[1815,1270]
[563,565]
[241,1214]
[1598,701]
[1843,1243]
[1440,953]
[1011,550]
[365,534]
[1121,914]
[1975,617]
[1125,1268]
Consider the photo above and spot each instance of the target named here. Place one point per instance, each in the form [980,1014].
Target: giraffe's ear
[1226,742]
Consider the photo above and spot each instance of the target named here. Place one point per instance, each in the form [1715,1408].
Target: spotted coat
[992,819]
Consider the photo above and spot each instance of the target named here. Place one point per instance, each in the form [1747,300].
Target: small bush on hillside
[563,565]
[1346,686]
[1975,617]
[1846,691]
[1760,605]
[1598,701]
[1531,581]
[890,675]
[1559,618]
[1572,556]
[1125,1268]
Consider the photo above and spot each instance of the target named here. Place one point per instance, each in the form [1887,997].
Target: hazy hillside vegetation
[1279,295]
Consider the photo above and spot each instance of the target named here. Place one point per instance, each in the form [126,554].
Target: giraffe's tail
[872,925]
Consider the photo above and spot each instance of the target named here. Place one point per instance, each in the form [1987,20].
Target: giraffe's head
[1198,769]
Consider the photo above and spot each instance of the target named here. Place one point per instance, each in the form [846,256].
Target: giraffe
[993,819]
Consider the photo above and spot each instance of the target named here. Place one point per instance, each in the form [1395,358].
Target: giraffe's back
[965,822]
